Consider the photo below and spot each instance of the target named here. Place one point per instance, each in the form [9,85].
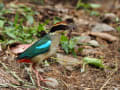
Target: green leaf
[94,13]
[68,45]
[72,43]
[10,42]
[93,61]
[80,49]
[41,27]
[118,28]
[64,38]
[30,19]
[80,4]
[16,18]
[46,22]
[64,43]
[117,19]
[2,23]
[56,20]
[1,6]
[10,32]
[83,5]
[93,5]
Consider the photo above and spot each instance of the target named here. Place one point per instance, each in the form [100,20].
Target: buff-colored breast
[52,51]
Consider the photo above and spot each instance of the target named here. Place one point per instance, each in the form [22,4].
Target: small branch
[16,86]
[25,84]
[57,59]
[30,75]
[83,69]
[16,76]
[12,73]
[105,83]
[110,76]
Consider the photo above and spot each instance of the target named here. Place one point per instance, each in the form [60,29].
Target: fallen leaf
[105,36]
[20,48]
[67,60]
[100,27]
[94,43]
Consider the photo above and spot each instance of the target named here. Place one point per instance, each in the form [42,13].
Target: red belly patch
[24,61]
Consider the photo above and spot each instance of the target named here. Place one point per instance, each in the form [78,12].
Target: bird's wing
[39,47]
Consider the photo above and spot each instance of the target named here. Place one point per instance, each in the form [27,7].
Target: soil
[93,78]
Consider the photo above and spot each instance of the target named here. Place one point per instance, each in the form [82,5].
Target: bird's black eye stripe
[58,27]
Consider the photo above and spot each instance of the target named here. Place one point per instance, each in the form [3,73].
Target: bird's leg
[37,75]
[42,79]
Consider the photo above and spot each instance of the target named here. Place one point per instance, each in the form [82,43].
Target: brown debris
[67,60]
[6,78]
[20,48]
[105,36]
[92,78]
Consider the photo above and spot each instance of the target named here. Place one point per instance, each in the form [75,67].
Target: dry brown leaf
[105,36]
[67,60]
[20,48]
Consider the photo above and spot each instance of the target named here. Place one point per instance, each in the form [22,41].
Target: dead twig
[21,86]
[12,73]
[110,76]
[30,75]
[65,61]
[16,86]
[66,85]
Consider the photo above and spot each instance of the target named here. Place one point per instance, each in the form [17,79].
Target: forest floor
[87,20]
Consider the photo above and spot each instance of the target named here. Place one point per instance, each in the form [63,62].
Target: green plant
[56,20]
[42,2]
[93,61]
[81,4]
[88,7]
[68,45]
[94,13]
[22,29]
[118,28]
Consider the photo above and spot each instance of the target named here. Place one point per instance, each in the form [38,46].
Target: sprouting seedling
[68,45]
[93,61]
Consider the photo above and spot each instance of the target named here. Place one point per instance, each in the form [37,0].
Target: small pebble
[100,27]
[53,83]
[94,43]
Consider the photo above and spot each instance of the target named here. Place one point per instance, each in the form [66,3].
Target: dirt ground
[93,78]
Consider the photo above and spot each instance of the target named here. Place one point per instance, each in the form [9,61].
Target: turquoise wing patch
[39,47]
[45,45]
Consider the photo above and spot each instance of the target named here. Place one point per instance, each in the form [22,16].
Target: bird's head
[62,26]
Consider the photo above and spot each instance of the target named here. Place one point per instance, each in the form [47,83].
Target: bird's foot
[42,79]
[39,78]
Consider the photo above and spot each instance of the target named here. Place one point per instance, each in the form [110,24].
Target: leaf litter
[23,27]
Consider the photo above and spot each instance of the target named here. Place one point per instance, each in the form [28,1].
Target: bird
[43,48]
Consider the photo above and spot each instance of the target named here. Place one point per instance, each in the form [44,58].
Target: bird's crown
[64,25]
